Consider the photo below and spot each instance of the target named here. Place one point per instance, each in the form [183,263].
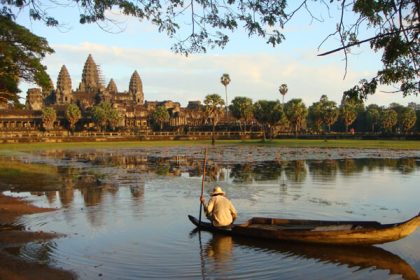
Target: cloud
[168,76]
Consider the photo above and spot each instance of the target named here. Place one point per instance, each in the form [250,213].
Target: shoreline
[284,143]
[14,236]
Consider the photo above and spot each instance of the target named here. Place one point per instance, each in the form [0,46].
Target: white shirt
[220,210]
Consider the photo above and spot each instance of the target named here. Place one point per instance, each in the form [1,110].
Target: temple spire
[136,88]
[90,77]
[63,86]
[112,87]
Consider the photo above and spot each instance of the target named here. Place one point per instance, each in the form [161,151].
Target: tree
[315,116]
[373,113]
[199,25]
[329,111]
[267,114]
[408,119]
[114,118]
[348,112]
[296,113]
[389,119]
[417,127]
[225,80]
[213,105]
[48,118]
[105,116]
[241,109]
[99,117]
[73,115]
[283,90]
[160,116]
[21,53]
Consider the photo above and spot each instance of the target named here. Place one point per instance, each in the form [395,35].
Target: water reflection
[79,172]
[325,170]
[129,203]
[220,248]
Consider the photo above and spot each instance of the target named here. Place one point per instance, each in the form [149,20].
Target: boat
[361,257]
[317,231]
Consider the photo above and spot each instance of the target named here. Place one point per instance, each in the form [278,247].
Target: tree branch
[367,40]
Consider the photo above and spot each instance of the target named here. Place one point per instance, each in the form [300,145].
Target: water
[124,211]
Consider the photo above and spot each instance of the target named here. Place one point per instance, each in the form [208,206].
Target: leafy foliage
[374,114]
[296,113]
[241,109]
[329,111]
[267,114]
[200,25]
[20,55]
[315,116]
[160,116]
[105,116]
[213,104]
[49,116]
[349,111]
[389,119]
[73,115]
[407,119]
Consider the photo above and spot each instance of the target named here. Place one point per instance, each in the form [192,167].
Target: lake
[124,211]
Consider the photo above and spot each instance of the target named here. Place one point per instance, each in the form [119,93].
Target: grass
[294,143]
[22,176]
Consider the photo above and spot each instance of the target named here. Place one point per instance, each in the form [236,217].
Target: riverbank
[290,143]
[13,236]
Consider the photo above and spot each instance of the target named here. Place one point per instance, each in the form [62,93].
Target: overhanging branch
[367,40]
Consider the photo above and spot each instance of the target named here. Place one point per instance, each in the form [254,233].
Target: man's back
[221,210]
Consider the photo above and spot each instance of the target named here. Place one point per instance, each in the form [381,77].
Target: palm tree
[348,112]
[408,119]
[241,109]
[373,114]
[296,113]
[268,114]
[225,80]
[315,116]
[389,119]
[73,115]
[49,116]
[329,111]
[213,108]
[160,116]
[283,90]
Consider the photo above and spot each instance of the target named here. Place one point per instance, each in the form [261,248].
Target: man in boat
[219,210]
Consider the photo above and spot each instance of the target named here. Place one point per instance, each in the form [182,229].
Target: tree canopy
[390,27]
[73,115]
[267,114]
[160,115]
[213,105]
[241,109]
[49,116]
[105,116]
[20,58]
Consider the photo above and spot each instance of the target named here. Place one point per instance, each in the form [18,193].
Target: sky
[255,68]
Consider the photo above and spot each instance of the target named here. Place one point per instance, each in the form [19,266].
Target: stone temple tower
[34,99]
[136,88]
[63,93]
[91,81]
[112,87]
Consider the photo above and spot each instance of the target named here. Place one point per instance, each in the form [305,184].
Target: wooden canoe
[320,232]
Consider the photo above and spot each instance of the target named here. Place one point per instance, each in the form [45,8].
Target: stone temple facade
[131,105]
[91,89]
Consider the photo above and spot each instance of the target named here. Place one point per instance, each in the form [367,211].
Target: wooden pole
[202,185]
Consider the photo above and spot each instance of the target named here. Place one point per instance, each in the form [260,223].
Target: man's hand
[202,199]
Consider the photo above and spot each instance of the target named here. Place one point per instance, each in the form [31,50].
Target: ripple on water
[132,223]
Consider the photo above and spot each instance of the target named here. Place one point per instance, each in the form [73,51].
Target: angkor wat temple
[130,104]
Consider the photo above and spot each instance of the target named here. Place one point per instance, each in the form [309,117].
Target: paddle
[202,186]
